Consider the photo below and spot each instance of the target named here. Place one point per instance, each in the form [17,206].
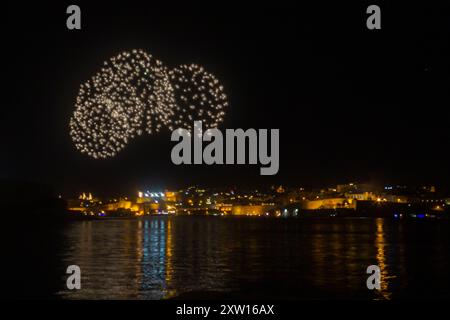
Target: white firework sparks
[199,96]
[135,93]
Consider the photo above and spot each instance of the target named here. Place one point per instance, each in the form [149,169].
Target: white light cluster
[199,96]
[135,93]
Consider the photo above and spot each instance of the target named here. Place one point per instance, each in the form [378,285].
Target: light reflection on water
[207,257]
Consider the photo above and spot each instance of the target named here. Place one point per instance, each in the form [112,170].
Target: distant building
[355,188]
[365,196]
[251,210]
[330,203]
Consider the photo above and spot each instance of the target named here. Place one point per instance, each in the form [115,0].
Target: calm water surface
[208,257]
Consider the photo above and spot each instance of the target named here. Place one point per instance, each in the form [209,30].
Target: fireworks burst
[199,96]
[135,93]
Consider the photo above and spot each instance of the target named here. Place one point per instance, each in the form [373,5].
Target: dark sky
[351,104]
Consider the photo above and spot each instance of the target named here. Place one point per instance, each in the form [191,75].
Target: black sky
[351,104]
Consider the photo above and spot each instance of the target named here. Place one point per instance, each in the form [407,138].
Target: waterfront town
[347,200]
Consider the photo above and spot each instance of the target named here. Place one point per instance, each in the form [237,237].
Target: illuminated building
[250,210]
[366,196]
[331,203]
[170,196]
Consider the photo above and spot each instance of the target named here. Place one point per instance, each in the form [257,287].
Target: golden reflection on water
[380,245]
[169,267]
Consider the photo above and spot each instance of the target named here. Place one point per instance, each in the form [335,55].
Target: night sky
[351,104]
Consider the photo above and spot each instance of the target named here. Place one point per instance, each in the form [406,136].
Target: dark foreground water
[216,257]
